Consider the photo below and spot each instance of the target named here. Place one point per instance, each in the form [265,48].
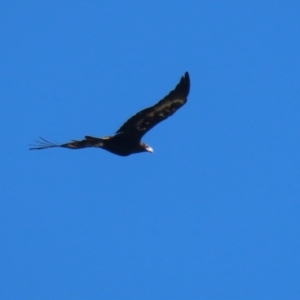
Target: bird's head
[146,148]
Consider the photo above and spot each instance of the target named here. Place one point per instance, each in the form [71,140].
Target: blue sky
[213,213]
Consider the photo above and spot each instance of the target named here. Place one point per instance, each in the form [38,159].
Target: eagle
[127,139]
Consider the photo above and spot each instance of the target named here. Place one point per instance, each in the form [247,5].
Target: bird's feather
[147,118]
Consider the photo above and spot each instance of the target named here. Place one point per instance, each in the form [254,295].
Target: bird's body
[127,140]
[120,144]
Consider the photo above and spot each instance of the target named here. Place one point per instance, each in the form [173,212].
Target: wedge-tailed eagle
[127,139]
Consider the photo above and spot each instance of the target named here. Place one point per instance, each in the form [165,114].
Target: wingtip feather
[43,144]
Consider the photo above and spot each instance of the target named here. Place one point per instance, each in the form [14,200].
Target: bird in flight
[127,139]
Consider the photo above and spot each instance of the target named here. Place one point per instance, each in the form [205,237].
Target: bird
[127,139]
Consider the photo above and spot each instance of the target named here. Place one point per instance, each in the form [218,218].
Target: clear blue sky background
[213,213]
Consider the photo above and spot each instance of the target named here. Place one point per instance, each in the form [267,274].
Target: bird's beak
[149,149]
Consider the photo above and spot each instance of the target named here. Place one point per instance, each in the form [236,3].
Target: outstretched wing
[146,119]
[87,142]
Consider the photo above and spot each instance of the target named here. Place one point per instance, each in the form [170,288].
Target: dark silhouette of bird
[127,139]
